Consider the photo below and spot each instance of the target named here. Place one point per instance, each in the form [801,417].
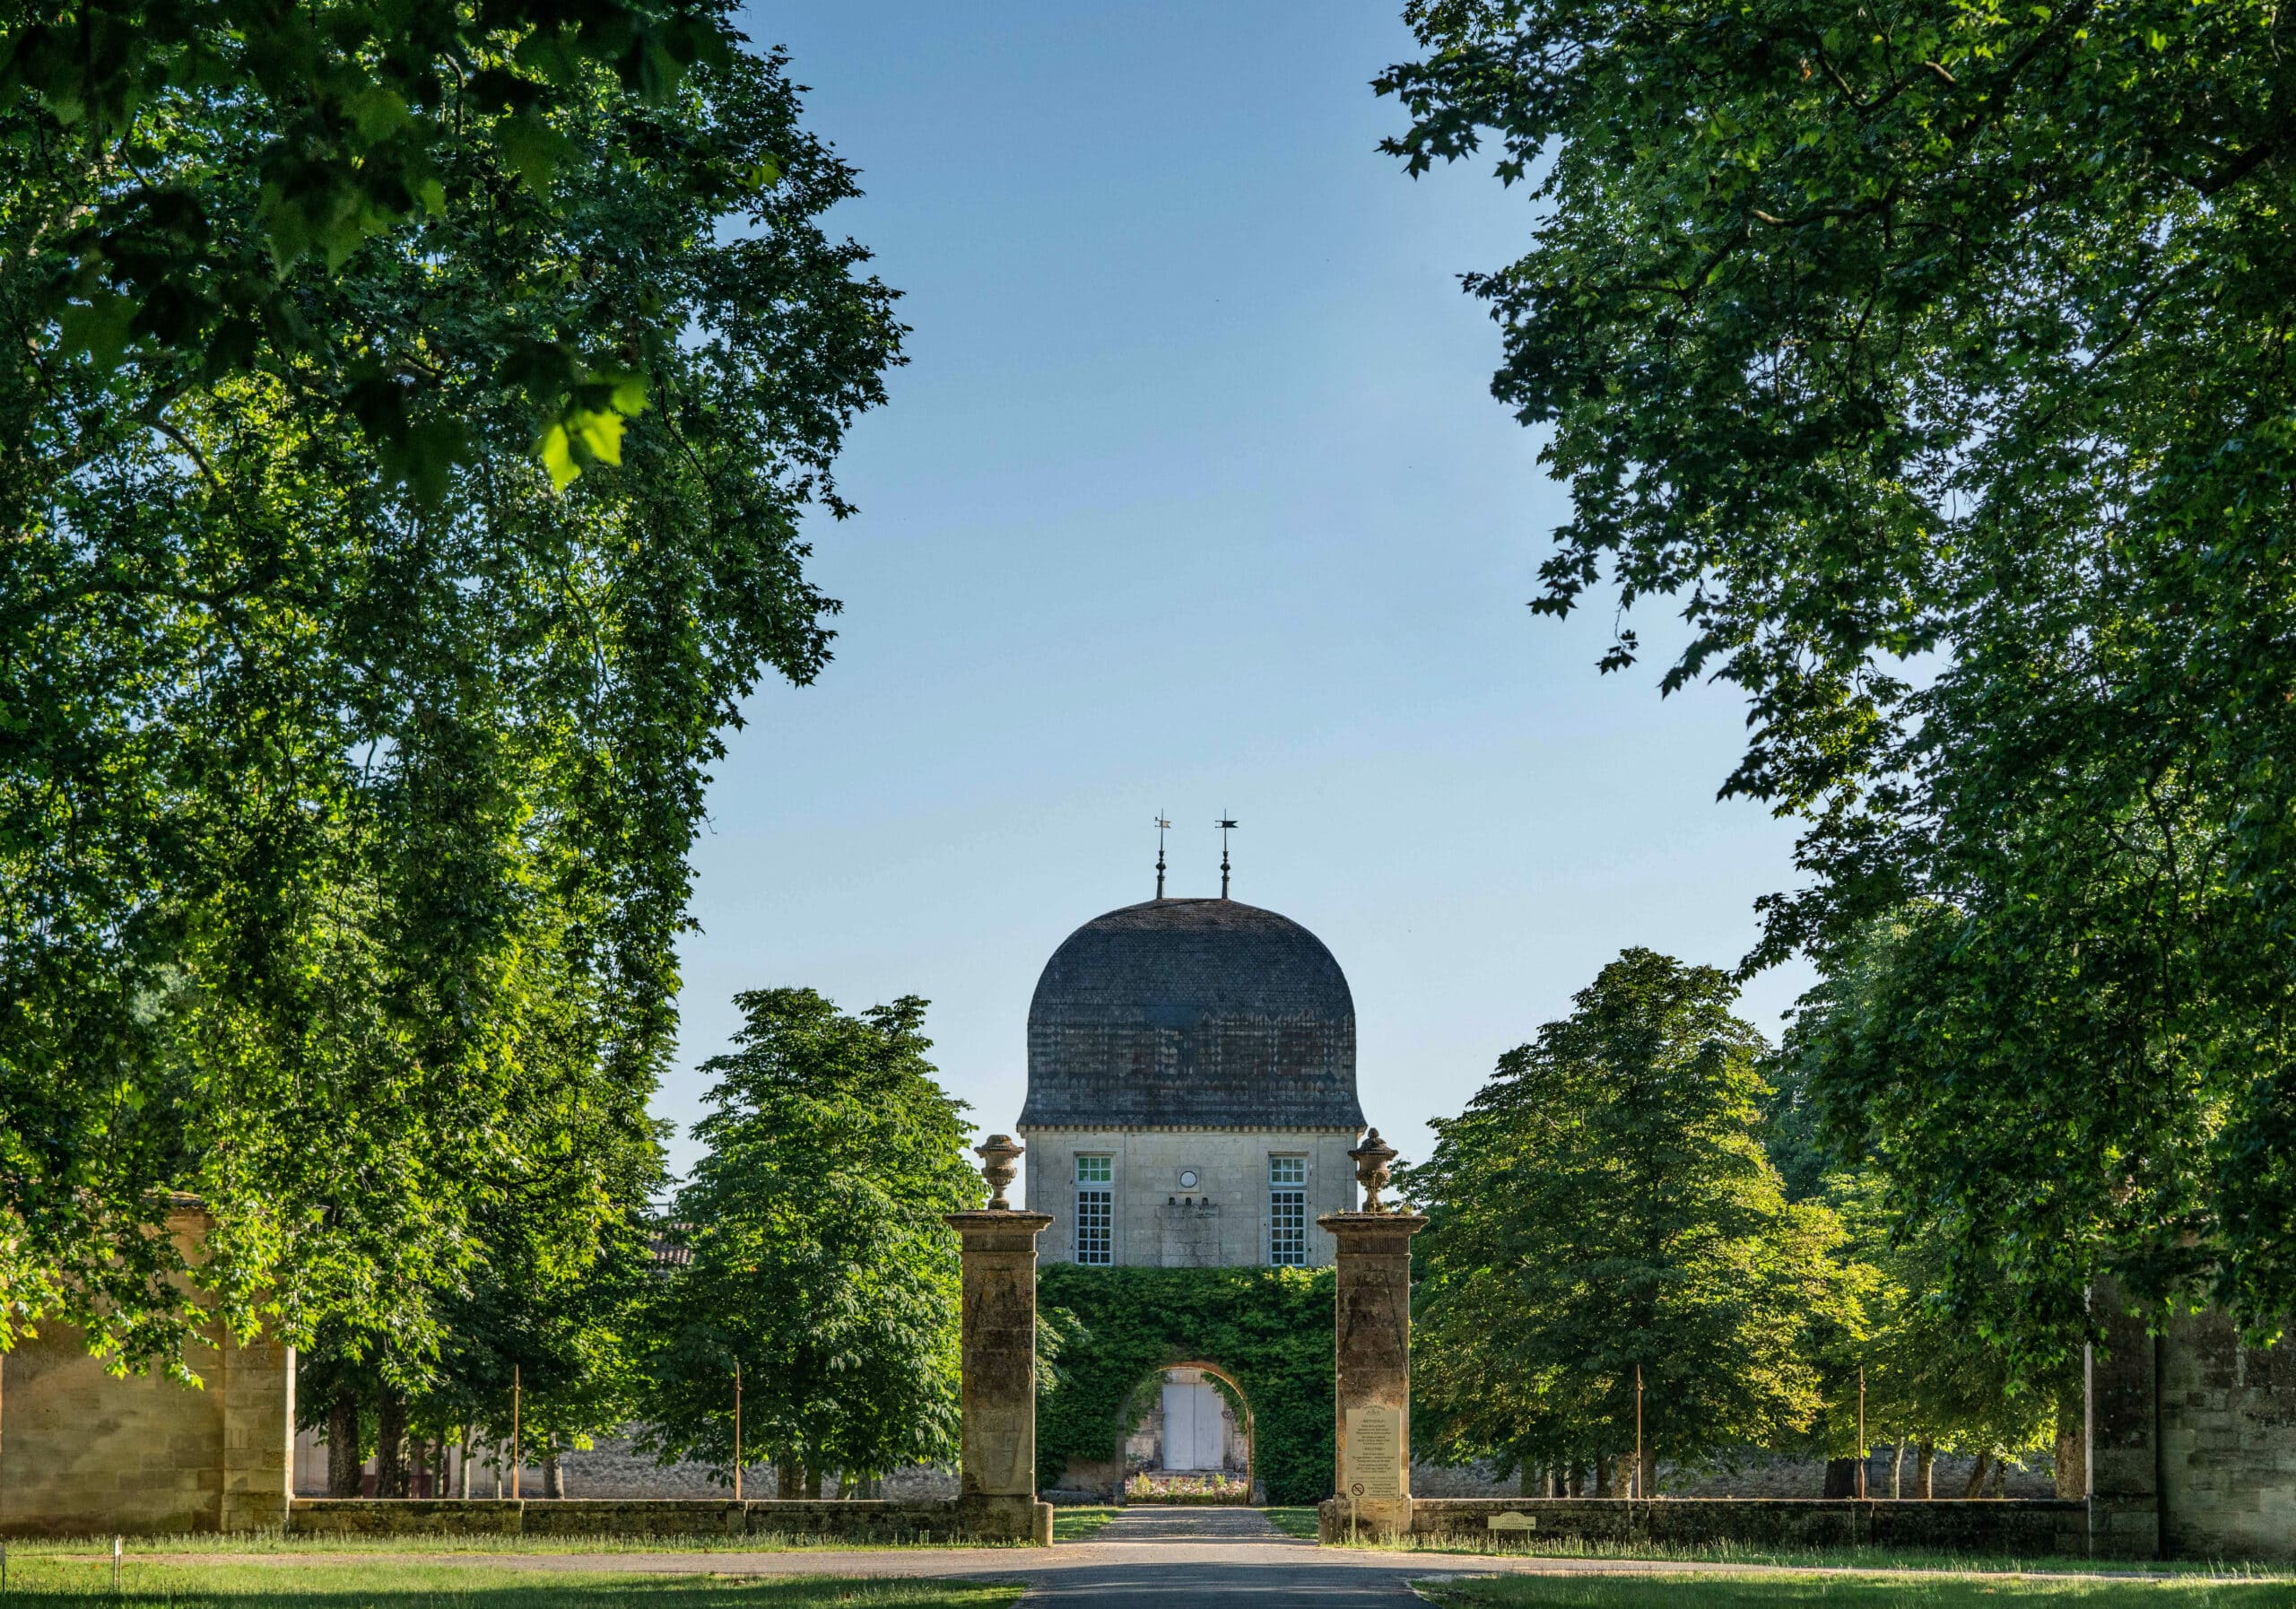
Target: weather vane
[1162,827]
[1227,825]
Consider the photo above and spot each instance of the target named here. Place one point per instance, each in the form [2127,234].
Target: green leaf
[557,455]
[99,327]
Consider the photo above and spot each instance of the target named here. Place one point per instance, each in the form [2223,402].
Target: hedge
[1268,1329]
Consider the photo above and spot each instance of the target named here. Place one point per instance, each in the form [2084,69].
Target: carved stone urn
[1372,1170]
[997,1155]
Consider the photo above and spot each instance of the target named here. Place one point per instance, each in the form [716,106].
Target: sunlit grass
[64,1581]
[1772,1591]
[1074,1525]
[1837,1558]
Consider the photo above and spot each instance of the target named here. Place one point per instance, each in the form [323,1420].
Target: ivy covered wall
[1270,1329]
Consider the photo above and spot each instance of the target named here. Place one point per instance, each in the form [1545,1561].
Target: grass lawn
[1293,1522]
[1074,1525]
[1850,1592]
[53,1581]
[2281,1578]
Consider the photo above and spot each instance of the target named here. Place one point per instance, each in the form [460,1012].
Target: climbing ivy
[1269,1328]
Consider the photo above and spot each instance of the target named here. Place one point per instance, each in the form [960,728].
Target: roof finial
[1227,824]
[1162,826]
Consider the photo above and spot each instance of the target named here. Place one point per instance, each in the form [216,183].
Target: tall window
[1096,1210]
[1287,1211]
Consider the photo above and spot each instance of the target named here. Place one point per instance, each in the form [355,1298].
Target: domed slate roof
[1192,1013]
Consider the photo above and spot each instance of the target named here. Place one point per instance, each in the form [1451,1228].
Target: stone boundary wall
[857,1519]
[2031,1528]
[83,1454]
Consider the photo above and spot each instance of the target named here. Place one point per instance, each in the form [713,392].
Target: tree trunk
[390,1437]
[1925,1470]
[1646,1480]
[462,1462]
[1578,1478]
[343,1460]
[1527,1483]
[2001,1477]
[788,1480]
[1841,1477]
[813,1483]
[1602,1475]
[2072,1449]
[1897,1473]
[1976,1486]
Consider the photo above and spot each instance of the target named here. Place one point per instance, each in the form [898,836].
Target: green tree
[1933,360]
[1605,1205]
[821,1262]
[343,828]
[552,1295]
[368,113]
[1965,1359]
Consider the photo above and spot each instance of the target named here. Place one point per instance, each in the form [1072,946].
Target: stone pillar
[999,1468]
[2123,1432]
[259,1436]
[1372,1361]
[1372,1368]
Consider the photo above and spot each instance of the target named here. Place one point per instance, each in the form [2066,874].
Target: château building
[1191,1090]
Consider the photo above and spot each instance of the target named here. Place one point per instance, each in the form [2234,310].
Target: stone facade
[2191,1439]
[85,1454]
[1222,1219]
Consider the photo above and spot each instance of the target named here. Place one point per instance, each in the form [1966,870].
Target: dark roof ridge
[1195,1012]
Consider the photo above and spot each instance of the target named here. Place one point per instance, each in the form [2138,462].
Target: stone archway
[1268,1332]
[1181,1448]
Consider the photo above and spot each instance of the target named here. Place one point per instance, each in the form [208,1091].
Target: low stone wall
[370,1517]
[2031,1528]
[859,1518]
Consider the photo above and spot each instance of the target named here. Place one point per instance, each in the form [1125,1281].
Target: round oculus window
[1187,1178]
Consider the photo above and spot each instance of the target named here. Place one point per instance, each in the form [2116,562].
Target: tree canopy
[344,820]
[820,1261]
[1604,1206]
[367,114]
[1933,359]
[1928,1372]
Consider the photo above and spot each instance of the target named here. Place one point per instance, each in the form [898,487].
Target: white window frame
[1287,1212]
[1094,1242]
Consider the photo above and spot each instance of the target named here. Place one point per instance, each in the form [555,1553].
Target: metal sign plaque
[1374,1455]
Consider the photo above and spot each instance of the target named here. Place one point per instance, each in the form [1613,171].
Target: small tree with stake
[820,1265]
[1604,1214]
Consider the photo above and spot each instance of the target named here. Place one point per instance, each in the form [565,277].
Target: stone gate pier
[1371,1358]
[997,1468]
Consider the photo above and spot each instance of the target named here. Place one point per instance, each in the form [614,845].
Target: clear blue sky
[1193,498]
